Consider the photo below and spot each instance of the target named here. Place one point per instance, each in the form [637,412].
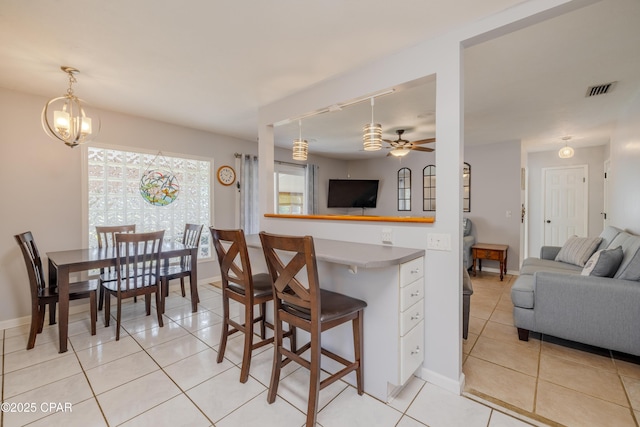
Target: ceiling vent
[600,89]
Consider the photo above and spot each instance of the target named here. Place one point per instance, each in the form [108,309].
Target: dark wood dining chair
[137,271]
[240,285]
[168,272]
[291,262]
[43,295]
[107,239]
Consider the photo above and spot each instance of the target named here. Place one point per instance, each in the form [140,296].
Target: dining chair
[137,272]
[190,237]
[107,239]
[302,303]
[43,295]
[240,285]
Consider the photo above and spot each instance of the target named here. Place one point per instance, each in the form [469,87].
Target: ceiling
[210,64]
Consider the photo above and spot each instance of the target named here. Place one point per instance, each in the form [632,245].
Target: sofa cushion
[603,263]
[577,250]
[608,234]
[522,292]
[630,266]
[466,226]
[531,265]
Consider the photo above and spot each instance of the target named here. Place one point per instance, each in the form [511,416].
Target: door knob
[548,221]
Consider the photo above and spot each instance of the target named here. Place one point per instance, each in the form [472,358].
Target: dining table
[63,263]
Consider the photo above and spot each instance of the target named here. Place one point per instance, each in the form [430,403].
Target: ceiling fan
[401,147]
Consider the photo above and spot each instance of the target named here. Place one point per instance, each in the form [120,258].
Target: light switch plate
[387,236]
[439,242]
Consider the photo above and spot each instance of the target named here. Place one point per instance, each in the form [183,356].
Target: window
[290,189]
[429,188]
[466,185]
[113,194]
[404,189]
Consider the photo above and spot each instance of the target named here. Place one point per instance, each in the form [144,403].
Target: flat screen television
[352,193]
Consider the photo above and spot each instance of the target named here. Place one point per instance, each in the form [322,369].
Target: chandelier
[65,118]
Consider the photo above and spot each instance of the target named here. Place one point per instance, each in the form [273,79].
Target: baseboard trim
[443,382]
[495,270]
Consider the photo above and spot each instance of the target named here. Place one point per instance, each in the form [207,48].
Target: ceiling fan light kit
[65,118]
[400,151]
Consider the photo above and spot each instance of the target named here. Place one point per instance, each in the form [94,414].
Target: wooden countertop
[354,254]
[427,220]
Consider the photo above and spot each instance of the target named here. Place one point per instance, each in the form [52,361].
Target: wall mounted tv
[352,193]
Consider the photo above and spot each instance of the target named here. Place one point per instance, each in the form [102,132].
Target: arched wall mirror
[429,188]
[404,189]
[466,186]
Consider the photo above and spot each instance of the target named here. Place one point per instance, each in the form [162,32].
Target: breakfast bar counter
[391,280]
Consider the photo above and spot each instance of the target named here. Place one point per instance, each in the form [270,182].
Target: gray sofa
[467,241]
[552,297]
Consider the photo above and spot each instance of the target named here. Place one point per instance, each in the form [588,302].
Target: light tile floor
[169,377]
[548,379]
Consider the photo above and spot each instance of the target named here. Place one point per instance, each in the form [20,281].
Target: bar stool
[238,284]
[309,308]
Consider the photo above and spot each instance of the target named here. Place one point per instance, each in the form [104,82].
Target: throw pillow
[577,250]
[632,269]
[603,263]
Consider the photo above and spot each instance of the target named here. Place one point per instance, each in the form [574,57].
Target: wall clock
[226,175]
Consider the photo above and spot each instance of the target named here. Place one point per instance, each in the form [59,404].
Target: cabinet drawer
[489,254]
[411,271]
[411,352]
[411,317]
[411,294]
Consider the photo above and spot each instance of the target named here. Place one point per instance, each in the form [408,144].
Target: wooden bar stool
[240,285]
[309,308]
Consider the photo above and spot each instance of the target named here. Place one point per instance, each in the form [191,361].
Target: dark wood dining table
[63,263]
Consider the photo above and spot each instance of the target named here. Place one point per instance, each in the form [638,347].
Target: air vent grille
[600,89]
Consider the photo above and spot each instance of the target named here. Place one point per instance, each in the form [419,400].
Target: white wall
[495,190]
[624,208]
[594,158]
[386,170]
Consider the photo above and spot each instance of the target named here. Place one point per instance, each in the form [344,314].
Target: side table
[492,252]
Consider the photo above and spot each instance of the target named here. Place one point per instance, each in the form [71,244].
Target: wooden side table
[491,252]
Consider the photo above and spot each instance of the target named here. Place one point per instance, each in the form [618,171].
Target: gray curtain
[249,198]
[312,189]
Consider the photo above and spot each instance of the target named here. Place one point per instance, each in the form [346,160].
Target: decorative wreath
[159,187]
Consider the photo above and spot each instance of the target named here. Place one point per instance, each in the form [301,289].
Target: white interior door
[605,211]
[565,203]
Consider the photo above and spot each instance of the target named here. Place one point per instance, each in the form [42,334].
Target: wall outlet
[387,236]
[439,242]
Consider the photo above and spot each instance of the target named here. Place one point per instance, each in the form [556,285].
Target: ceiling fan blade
[389,141]
[424,141]
[428,150]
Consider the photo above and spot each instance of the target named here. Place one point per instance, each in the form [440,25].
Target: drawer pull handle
[415,270]
[416,351]
[416,294]
[416,317]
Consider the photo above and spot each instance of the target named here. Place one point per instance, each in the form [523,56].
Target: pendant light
[300,146]
[566,152]
[372,134]
[67,119]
